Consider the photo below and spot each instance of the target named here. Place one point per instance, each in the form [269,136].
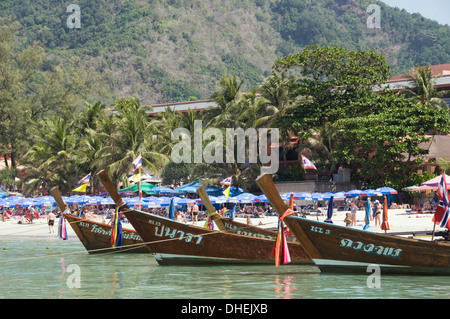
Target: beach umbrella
[189,188]
[261,199]
[303,195]
[353,193]
[385,223]
[330,211]
[285,196]
[161,190]
[386,190]
[435,181]
[184,201]
[171,209]
[410,188]
[367,219]
[128,193]
[316,196]
[26,202]
[245,198]
[369,192]
[77,199]
[424,188]
[145,187]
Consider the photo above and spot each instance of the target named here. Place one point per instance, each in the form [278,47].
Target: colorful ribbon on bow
[116,233]
[62,229]
[209,223]
[280,250]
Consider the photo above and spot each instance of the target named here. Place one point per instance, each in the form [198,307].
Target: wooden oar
[201,191]
[111,189]
[266,184]
[58,198]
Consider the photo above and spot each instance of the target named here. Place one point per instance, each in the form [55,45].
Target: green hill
[175,50]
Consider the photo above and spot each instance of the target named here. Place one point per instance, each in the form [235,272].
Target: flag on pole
[227,192]
[226,181]
[137,163]
[137,177]
[307,164]
[80,189]
[442,213]
[85,180]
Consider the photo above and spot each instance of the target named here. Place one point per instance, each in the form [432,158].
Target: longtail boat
[335,248]
[176,243]
[230,225]
[96,236]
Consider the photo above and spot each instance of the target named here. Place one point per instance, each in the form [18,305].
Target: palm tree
[226,97]
[133,135]
[51,160]
[255,111]
[277,90]
[424,87]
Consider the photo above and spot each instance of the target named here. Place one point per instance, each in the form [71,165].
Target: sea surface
[50,268]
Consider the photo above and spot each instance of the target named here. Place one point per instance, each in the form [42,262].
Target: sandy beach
[400,220]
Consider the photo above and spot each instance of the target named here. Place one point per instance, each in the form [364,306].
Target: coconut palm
[424,87]
[226,97]
[133,135]
[277,90]
[51,160]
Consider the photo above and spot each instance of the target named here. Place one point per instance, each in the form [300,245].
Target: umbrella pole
[434,228]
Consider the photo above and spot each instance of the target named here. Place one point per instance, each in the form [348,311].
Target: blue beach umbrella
[316,196]
[285,196]
[353,193]
[386,190]
[161,190]
[303,195]
[330,211]
[261,199]
[369,192]
[245,198]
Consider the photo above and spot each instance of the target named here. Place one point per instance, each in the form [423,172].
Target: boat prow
[348,250]
[96,237]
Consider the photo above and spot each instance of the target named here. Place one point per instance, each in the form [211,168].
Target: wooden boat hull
[96,237]
[188,244]
[233,226]
[343,249]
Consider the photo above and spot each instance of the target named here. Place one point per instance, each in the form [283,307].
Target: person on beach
[377,212]
[195,214]
[353,209]
[51,222]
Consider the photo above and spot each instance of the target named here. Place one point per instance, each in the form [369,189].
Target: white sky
[438,10]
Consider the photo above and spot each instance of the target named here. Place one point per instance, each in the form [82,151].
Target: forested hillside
[175,50]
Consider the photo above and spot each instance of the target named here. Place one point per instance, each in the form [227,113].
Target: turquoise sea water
[40,268]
